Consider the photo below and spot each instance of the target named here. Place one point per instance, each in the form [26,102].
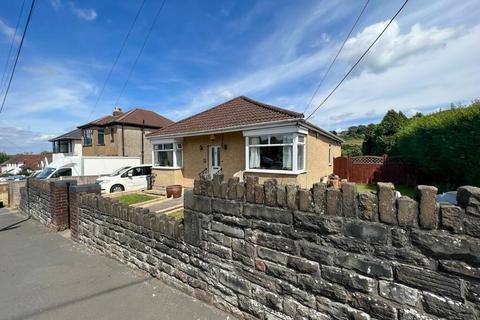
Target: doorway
[214,160]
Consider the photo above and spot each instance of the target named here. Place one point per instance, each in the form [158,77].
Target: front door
[214,159]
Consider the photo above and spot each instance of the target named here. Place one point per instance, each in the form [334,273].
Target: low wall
[278,252]
[52,202]
[14,188]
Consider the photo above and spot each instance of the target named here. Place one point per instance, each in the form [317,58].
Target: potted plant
[174,190]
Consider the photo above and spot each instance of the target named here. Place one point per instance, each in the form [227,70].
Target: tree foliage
[351,150]
[445,145]
[380,139]
[4,157]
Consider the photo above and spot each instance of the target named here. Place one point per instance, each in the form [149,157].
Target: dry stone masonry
[275,251]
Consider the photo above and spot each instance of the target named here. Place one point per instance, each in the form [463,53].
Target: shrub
[444,145]
[351,150]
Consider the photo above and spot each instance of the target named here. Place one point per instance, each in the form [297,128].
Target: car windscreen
[118,171]
[45,173]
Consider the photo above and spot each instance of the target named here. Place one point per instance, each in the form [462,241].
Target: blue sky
[202,53]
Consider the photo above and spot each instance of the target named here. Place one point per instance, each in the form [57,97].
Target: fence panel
[370,169]
[341,167]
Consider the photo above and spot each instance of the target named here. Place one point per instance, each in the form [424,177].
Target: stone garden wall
[278,252]
[52,202]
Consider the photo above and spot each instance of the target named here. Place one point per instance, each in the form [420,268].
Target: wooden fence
[370,169]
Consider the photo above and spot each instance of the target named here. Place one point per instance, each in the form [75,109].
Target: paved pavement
[164,204]
[45,276]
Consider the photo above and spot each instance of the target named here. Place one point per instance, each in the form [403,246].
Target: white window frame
[294,145]
[330,154]
[177,145]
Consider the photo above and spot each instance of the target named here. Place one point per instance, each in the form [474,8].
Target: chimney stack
[117,111]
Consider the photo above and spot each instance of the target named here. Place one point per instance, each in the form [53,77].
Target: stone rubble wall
[46,201]
[51,202]
[279,252]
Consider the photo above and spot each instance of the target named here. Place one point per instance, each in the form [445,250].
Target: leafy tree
[379,139]
[444,145]
[4,157]
[351,150]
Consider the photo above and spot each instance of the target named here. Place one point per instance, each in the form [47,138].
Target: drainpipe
[123,141]
[143,131]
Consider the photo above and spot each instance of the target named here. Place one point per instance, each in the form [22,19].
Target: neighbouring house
[122,134]
[243,137]
[25,162]
[67,144]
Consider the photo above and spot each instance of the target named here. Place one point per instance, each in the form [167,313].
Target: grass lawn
[177,213]
[404,190]
[134,198]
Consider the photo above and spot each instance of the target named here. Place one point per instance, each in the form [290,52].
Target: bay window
[279,152]
[168,155]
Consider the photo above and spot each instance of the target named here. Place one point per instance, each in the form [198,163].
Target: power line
[11,47]
[360,59]
[117,57]
[141,51]
[336,56]
[18,54]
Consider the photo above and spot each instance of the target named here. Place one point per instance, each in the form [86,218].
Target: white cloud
[19,140]
[423,82]
[56,4]
[47,98]
[418,69]
[86,14]
[8,31]
[393,47]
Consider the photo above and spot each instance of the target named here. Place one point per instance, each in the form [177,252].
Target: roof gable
[240,111]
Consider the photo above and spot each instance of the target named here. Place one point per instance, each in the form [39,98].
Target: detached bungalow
[243,136]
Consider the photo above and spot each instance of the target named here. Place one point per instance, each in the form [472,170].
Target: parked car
[126,179]
[13,178]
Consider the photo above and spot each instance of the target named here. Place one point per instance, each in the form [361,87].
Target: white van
[127,178]
[75,166]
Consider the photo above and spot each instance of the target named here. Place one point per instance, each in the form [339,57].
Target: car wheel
[116,188]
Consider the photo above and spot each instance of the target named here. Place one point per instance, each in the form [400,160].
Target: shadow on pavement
[14,225]
[41,310]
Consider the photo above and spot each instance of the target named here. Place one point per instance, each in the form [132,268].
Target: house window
[61,146]
[284,152]
[100,136]
[87,137]
[168,155]
[112,135]
[329,154]
[301,153]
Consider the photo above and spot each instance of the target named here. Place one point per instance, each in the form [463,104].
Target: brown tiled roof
[133,117]
[240,111]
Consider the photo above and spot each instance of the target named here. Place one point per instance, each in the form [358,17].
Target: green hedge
[445,145]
